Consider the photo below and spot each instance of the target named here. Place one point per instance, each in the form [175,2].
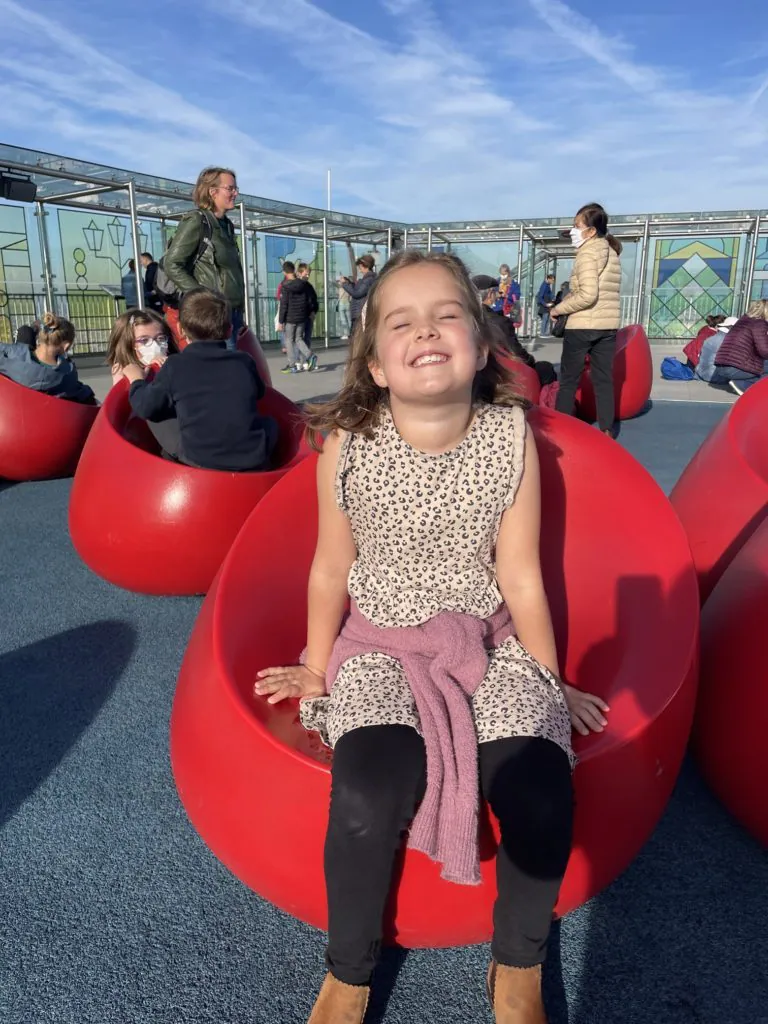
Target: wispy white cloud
[427,110]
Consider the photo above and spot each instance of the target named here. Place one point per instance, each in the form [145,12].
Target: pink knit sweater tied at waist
[445,659]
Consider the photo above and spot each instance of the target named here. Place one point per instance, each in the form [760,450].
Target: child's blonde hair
[121,349]
[356,407]
[55,330]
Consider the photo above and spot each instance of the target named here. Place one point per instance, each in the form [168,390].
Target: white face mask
[151,351]
[577,238]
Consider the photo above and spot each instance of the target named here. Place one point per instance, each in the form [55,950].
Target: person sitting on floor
[502,326]
[740,360]
[202,406]
[705,367]
[139,337]
[46,367]
[692,350]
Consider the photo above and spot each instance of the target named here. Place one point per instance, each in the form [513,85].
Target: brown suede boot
[515,994]
[339,1003]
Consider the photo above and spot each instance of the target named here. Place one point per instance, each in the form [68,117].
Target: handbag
[558,326]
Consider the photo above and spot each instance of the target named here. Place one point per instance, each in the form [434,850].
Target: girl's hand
[585,710]
[134,372]
[290,681]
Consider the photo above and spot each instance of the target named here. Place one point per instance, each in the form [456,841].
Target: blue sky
[424,109]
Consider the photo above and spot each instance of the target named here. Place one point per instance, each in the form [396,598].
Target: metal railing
[91,312]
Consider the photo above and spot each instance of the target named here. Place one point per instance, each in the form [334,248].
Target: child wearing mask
[141,338]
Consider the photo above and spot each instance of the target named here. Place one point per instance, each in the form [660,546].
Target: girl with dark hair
[593,310]
[428,485]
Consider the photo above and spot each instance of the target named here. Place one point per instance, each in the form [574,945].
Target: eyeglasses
[232,189]
[159,338]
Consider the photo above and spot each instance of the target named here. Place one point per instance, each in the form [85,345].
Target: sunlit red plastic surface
[155,526]
[625,603]
[732,711]
[40,437]
[632,377]
[525,376]
[722,495]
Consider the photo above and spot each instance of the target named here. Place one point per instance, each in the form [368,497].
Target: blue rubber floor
[113,912]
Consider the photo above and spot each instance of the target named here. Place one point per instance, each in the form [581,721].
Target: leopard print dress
[425,527]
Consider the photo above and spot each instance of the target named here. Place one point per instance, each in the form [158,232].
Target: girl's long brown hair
[357,406]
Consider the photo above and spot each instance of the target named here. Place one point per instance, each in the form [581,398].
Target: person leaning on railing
[203,253]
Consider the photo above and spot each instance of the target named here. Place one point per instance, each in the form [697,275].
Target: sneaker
[735,387]
[311,364]
[288,369]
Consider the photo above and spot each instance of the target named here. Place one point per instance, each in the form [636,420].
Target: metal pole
[389,243]
[164,232]
[643,271]
[429,239]
[405,238]
[136,244]
[325,280]
[531,271]
[752,263]
[520,254]
[246,276]
[41,214]
[256,311]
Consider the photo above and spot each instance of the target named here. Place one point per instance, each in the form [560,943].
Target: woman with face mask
[593,310]
[139,338]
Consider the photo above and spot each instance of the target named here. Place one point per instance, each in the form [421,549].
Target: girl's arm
[518,571]
[334,555]
[327,597]
[518,566]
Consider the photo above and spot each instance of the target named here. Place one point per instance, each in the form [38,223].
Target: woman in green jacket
[203,253]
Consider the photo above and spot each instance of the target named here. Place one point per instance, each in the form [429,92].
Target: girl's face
[150,343]
[425,341]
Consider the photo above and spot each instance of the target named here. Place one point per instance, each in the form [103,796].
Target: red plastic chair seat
[40,437]
[525,376]
[632,377]
[731,722]
[157,527]
[625,604]
[722,495]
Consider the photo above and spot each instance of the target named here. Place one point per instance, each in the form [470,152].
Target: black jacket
[213,392]
[298,301]
[151,298]
[504,326]
[358,293]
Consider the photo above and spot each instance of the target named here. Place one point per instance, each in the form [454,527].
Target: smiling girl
[442,683]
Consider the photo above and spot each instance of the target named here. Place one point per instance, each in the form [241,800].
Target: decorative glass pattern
[692,277]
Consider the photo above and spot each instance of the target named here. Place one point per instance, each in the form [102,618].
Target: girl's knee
[377,780]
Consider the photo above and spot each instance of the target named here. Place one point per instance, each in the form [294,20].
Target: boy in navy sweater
[202,404]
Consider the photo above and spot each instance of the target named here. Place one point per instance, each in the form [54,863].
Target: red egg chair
[40,437]
[155,526]
[248,342]
[525,376]
[632,377]
[625,603]
[731,724]
[722,495]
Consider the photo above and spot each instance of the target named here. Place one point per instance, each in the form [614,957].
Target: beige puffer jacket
[593,301]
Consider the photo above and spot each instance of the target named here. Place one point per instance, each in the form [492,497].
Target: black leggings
[378,779]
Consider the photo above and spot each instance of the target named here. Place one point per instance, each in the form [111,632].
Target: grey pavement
[326,380]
